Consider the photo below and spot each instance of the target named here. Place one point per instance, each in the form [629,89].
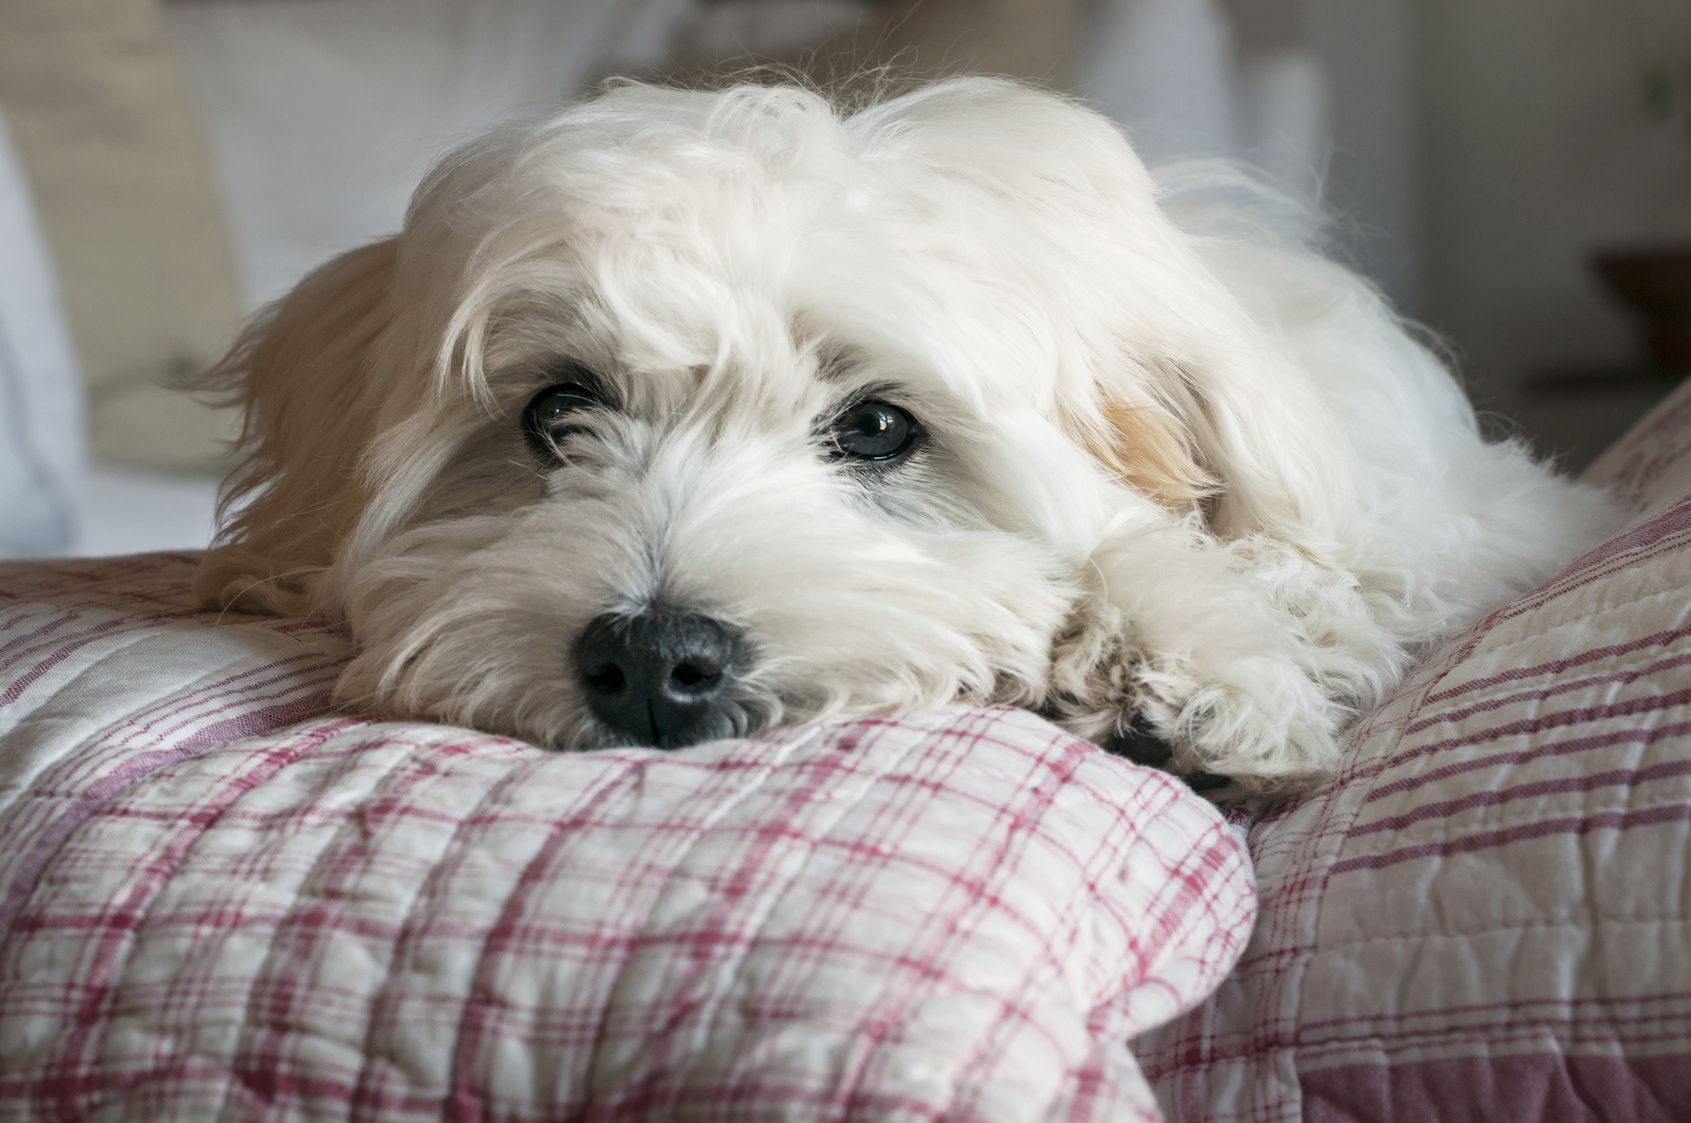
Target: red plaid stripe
[217,900]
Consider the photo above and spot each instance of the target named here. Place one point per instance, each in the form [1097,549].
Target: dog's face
[681,414]
[663,553]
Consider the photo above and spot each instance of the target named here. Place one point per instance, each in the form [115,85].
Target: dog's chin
[730,724]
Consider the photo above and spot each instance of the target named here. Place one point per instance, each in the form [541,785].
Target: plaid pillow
[217,899]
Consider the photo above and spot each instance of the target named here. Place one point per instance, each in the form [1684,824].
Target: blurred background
[1515,174]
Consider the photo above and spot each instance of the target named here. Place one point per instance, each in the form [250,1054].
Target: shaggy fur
[1179,472]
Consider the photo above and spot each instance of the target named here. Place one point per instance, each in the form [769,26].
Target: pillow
[218,898]
[114,158]
[41,448]
[1486,915]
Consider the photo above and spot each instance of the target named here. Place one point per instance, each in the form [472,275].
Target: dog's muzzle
[661,677]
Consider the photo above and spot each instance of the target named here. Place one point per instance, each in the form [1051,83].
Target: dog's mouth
[724,727]
[729,719]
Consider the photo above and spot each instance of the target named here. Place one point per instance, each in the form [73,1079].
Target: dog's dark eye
[875,430]
[555,413]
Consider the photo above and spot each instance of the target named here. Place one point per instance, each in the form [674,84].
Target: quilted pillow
[218,899]
[1487,915]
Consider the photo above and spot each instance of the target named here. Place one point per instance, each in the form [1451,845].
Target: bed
[221,898]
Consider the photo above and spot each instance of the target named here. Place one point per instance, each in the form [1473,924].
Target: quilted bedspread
[221,900]
[1487,915]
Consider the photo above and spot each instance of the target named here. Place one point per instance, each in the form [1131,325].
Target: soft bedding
[1487,916]
[221,900]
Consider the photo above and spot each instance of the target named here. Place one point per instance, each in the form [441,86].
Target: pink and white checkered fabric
[1488,915]
[220,901]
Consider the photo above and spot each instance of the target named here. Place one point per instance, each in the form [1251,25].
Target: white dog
[681,414]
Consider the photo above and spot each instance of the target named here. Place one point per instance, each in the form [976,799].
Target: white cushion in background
[41,445]
[133,510]
[103,128]
[324,116]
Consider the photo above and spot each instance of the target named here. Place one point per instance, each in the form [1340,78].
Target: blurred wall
[1473,152]
[1368,56]
[1534,149]
[1320,95]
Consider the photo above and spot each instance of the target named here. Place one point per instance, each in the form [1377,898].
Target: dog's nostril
[694,677]
[607,679]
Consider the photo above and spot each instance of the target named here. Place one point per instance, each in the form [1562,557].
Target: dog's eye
[555,413]
[875,430]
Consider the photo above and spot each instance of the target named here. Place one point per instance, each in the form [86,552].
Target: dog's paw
[1255,720]
[1259,720]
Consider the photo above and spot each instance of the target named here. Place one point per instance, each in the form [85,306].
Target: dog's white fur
[1180,470]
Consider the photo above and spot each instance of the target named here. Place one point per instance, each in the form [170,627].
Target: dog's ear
[1147,447]
[1168,378]
[299,373]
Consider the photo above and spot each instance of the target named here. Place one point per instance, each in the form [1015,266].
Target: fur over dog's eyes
[555,413]
[875,430]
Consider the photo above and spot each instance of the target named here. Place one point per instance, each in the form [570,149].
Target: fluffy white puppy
[681,414]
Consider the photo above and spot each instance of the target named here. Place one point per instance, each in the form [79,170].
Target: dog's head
[680,413]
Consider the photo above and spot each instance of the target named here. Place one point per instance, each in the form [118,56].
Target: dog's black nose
[660,677]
